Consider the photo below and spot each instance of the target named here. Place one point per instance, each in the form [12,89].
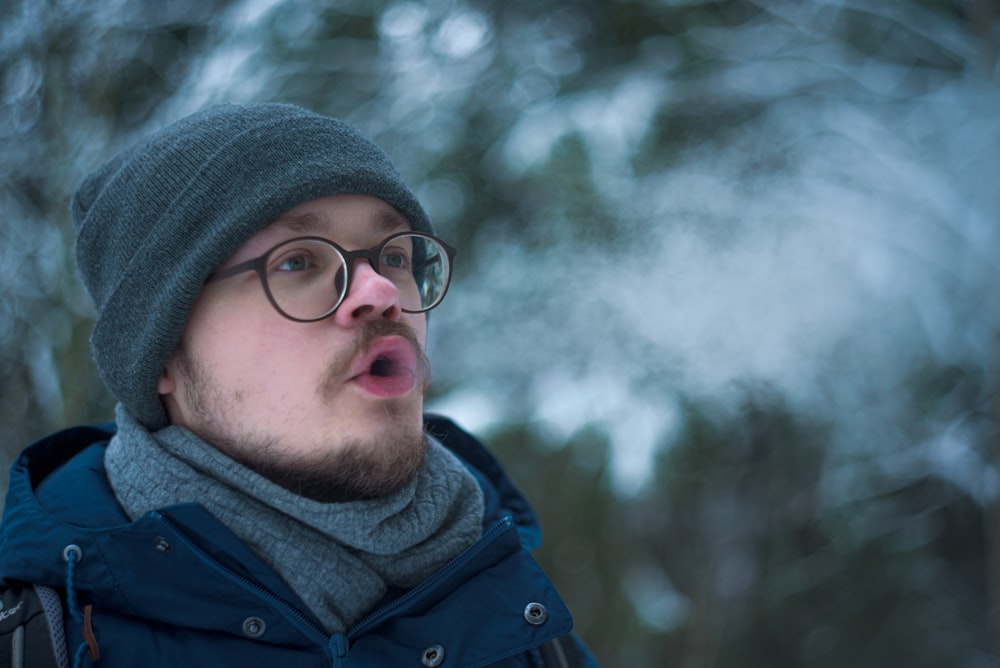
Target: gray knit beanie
[158,218]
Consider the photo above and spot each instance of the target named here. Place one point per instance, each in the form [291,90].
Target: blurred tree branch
[982,17]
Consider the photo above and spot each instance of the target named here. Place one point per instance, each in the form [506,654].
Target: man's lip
[396,349]
[397,356]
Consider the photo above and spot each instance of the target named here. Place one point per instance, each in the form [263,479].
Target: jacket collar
[59,496]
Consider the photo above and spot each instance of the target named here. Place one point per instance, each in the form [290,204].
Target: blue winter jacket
[177,588]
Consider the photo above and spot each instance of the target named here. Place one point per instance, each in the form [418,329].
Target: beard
[356,471]
[330,471]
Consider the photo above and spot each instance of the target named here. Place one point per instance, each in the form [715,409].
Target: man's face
[330,409]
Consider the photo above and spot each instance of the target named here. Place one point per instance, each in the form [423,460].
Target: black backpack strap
[31,627]
[562,652]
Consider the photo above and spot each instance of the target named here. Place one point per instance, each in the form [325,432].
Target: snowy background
[728,277]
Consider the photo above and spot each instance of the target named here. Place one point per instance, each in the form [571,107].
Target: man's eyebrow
[390,221]
[302,223]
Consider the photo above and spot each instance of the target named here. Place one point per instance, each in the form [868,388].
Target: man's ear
[167,383]
[170,387]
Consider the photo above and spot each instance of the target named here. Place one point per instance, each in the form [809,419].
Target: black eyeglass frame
[259,265]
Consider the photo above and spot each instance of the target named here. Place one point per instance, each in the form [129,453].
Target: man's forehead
[316,219]
[381,218]
[328,217]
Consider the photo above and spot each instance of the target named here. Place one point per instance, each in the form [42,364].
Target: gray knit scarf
[339,557]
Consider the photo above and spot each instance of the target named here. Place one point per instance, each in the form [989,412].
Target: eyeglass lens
[306,278]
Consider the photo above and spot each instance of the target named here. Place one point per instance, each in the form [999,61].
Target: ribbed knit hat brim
[157,219]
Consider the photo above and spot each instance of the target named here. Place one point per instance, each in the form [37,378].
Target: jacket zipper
[313,630]
[488,536]
[321,637]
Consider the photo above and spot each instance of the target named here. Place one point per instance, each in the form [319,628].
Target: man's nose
[370,296]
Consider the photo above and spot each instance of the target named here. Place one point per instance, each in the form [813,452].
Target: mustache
[341,365]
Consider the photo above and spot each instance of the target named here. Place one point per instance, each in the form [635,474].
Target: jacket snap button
[254,627]
[535,613]
[433,656]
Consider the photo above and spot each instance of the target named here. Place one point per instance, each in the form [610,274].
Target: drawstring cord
[73,554]
[78,657]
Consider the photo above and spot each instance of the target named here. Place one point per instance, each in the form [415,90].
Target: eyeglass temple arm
[428,262]
[232,271]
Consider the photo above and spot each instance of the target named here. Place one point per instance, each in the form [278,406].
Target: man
[271,493]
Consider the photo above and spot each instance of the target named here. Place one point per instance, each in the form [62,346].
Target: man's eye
[393,259]
[294,263]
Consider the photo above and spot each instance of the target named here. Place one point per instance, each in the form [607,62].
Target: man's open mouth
[388,368]
[382,367]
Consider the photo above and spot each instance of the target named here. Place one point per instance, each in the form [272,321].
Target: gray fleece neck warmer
[339,558]
[158,218]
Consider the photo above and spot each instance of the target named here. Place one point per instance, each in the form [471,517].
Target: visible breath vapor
[825,250]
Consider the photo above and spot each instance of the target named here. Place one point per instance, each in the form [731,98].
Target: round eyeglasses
[307,278]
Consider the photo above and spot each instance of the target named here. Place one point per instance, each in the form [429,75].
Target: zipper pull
[339,646]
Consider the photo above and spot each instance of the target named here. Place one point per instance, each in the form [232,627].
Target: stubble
[331,470]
